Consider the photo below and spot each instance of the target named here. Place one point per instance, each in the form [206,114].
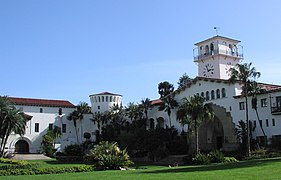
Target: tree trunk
[248,152]
[196,137]
[170,121]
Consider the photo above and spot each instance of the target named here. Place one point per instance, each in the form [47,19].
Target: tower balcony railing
[218,52]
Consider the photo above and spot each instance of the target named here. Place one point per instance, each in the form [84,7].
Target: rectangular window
[261,123]
[63,128]
[273,122]
[36,127]
[266,121]
[264,102]
[255,124]
[242,105]
[51,125]
[41,110]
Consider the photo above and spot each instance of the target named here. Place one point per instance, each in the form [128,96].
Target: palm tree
[167,105]
[131,111]
[193,112]
[82,108]
[146,104]
[11,120]
[100,119]
[183,80]
[165,88]
[244,73]
[254,89]
[74,116]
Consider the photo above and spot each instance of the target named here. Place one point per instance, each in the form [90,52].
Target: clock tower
[216,55]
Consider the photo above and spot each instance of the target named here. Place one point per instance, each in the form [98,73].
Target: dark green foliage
[262,153]
[11,120]
[216,156]
[201,159]
[46,170]
[165,88]
[47,145]
[183,80]
[108,155]
[25,168]
[73,150]
[48,141]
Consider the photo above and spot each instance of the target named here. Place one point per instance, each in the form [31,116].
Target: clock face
[208,70]
[227,68]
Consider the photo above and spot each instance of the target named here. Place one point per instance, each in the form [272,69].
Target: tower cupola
[216,55]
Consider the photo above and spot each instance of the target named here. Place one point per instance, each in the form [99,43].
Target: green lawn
[255,169]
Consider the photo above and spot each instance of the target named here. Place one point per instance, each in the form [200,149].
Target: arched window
[102,98]
[197,94]
[106,98]
[151,124]
[206,50]
[110,99]
[202,94]
[60,111]
[160,122]
[99,98]
[207,96]
[212,49]
[114,98]
[218,94]
[223,94]
[212,94]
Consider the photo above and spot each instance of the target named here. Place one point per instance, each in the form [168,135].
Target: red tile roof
[156,102]
[106,93]
[41,102]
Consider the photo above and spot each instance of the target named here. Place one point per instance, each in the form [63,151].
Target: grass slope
[255,169]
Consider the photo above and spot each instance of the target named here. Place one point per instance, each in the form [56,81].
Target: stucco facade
[214,57]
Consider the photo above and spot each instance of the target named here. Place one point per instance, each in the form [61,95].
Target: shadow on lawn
[58,162]
[213,167]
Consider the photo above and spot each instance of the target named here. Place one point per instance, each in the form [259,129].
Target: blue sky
[69,49]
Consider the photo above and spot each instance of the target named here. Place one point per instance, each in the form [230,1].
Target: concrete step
[30,157]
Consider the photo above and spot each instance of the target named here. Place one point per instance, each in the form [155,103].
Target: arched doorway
[218,133]
[21,146]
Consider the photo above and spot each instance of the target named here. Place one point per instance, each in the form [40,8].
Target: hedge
[46,170]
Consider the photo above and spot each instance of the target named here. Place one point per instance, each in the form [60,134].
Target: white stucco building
[214,57]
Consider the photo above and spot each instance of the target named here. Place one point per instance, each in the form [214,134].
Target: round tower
[104,101]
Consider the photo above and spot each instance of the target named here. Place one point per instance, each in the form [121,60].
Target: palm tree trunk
[196,137]
[4,143]
[248,124]
[170,121]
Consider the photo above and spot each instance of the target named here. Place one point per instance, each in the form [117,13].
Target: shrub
[46,170]
[216,156]
[230,159]
[108,155]
[73,150]
[201,159]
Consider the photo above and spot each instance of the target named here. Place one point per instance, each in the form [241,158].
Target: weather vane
[217,30]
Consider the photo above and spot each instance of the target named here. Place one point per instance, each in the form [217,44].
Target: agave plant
[108,155]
